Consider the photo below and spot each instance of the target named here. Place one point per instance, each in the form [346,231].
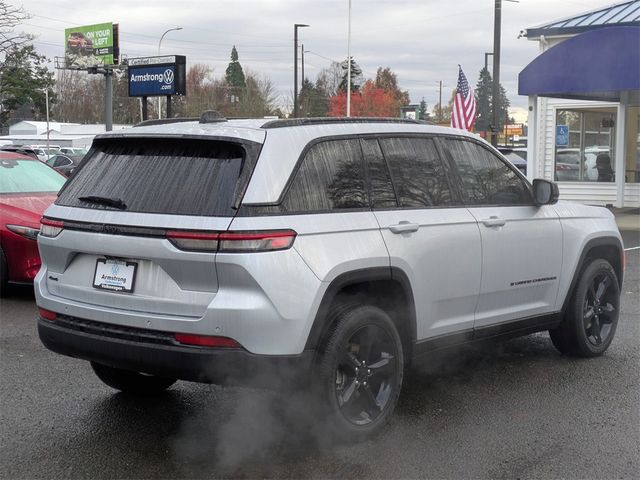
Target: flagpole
[349,64]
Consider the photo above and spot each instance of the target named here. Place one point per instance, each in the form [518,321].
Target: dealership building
[584,105]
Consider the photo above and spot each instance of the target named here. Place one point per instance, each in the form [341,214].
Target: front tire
[592,315]
[131,382]
[360,372]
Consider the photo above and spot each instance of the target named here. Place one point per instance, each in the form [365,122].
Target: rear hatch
[124,208]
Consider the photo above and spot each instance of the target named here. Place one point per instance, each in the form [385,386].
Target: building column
[532,138]
[621,147]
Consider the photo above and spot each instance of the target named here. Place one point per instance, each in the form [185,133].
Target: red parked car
[27,188]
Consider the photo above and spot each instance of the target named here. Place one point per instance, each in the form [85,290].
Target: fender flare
[321,321]
[608,241]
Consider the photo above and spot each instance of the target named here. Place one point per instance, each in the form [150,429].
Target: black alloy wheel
[366,374]
[600,310]
[360,371]
[590,321]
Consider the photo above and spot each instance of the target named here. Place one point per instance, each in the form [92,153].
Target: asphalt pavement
[514,410]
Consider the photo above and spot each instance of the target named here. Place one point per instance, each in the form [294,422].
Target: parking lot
[516,410]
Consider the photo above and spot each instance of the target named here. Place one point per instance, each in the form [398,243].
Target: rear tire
[360,372]
[131,382]
[591,318]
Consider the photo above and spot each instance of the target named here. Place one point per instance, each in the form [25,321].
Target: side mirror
[545,192]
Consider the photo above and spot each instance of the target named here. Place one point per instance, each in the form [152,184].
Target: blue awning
[596,65]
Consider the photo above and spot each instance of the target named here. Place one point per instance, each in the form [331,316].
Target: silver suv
[331,253]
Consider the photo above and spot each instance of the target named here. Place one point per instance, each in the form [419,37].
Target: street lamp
[295,66]
[159,44]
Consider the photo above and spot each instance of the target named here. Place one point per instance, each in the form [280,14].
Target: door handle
[494,221]
[404,227]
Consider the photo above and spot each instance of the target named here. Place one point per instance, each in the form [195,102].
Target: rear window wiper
[107,201]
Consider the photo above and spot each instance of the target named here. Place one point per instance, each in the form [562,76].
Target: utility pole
[497,20]
[295,66]
[108,99]
[440,104]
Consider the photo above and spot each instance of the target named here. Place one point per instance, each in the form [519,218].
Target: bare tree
[11,17]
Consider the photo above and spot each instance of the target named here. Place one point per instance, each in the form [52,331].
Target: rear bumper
[199,364]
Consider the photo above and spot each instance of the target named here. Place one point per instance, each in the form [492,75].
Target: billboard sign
[91,45]
[157,76]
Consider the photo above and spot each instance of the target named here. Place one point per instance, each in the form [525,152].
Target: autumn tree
[24,77]
[387,80]
[368,102]
[443,115]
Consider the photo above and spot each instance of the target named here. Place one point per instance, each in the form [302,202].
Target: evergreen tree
[23,78]
[423,113]
[312,100]
[484,103]
[356,76]
[234,74]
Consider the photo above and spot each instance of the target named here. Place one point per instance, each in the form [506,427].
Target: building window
[585,141]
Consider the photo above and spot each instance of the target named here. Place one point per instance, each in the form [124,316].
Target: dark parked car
[27,188]
[517,156]
[65,164]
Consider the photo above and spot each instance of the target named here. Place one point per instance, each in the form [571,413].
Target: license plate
[115,275]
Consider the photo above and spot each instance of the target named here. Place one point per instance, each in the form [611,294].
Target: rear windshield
[171,176]
[28,176]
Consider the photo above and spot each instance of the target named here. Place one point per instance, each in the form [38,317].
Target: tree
[23,78]
[387,80]
[444,115]
[356,76]
[423,113]
[369,102]
[11,17]
[234,74]
[484,103]
[313,101]
[328,80]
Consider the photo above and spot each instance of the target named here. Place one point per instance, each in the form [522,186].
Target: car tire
[4,274]
[360,371]
[131,382]
[591,318]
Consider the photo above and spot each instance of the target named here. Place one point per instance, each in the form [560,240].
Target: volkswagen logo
[167,76]
[115,268]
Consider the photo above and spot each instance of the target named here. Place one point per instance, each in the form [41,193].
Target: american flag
[463,115]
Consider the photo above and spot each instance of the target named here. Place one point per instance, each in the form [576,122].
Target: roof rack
[164,121]
[299,122]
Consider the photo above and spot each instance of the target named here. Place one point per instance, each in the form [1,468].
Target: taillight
[26,232]
[256,241]
[232,242]
[47,314]
[194,241]
[50,228]
[206,341]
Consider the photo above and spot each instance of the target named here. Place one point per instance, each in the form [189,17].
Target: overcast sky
[423,41]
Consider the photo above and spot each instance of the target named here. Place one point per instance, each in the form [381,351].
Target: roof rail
[164,121]
[299,122]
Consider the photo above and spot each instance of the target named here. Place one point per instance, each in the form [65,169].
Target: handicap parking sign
[562,135]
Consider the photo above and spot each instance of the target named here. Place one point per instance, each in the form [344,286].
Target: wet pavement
[514,410]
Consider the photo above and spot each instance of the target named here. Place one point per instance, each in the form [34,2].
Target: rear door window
[418,173]
[170,176]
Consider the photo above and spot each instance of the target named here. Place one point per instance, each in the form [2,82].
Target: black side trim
[321,322]
[501,331]
[593,243]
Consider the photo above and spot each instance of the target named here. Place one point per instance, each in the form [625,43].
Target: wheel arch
[609,248]
[388,288]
